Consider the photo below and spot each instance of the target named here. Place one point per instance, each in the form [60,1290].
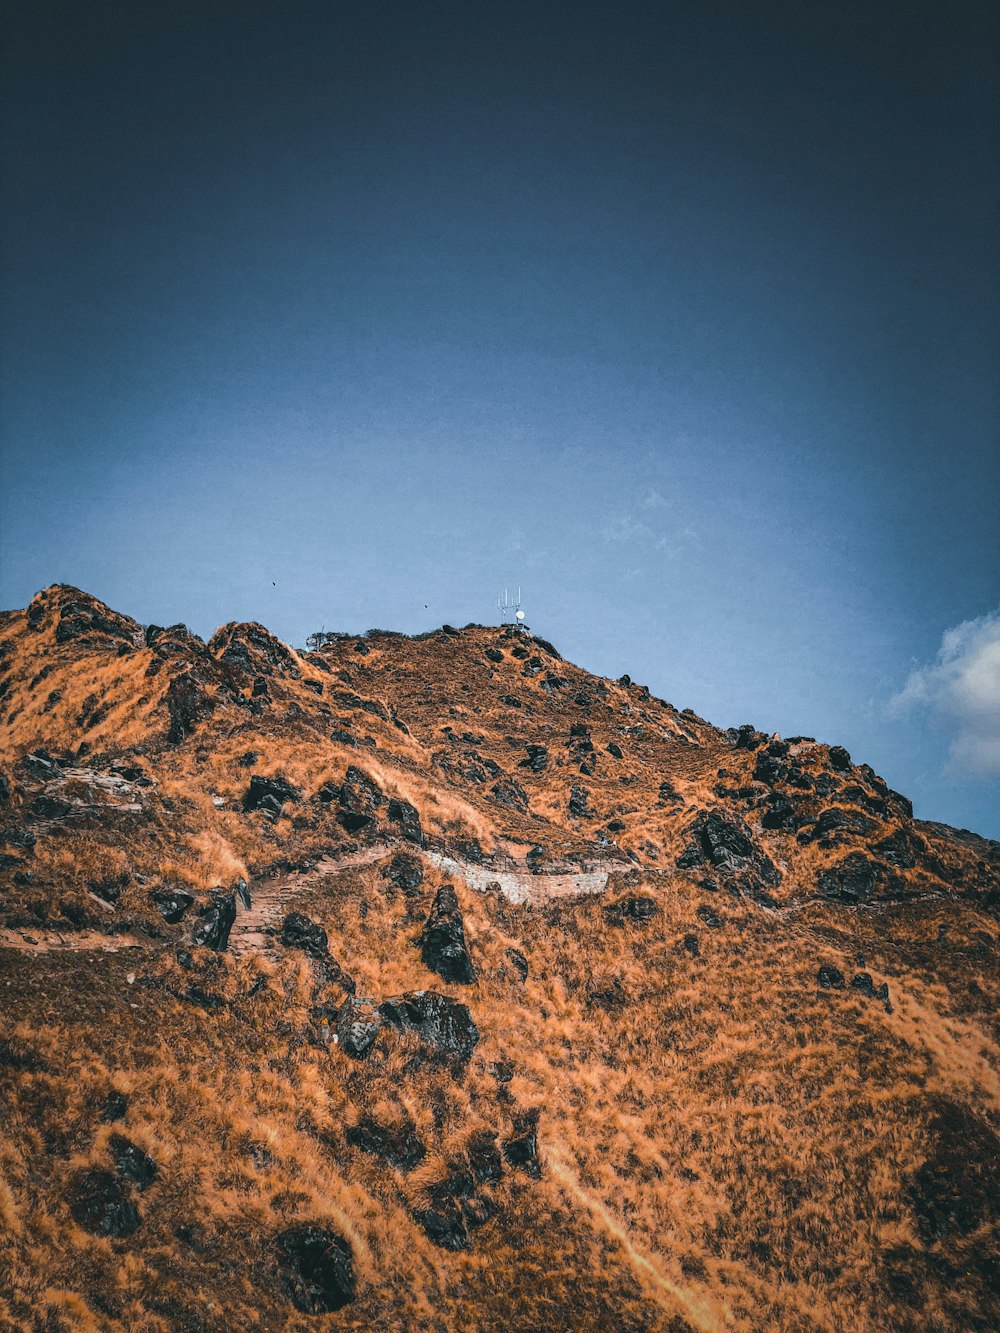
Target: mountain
[435,983]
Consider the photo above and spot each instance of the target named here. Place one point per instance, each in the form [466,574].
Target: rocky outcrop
[319,1268]
[358,1025]
[397,1144]
[215,921]
[269,795]
[299,931]
[441,1022]
[172,903]
[443,946]
[101,1203]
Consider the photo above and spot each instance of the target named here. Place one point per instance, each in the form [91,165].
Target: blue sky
[682,316]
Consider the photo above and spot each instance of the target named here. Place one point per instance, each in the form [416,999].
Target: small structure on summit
[510,609]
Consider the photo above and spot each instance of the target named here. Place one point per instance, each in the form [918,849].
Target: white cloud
[962,688]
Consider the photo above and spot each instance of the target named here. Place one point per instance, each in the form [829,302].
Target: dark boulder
[188,704]
[510,793]
[264,793]
[710,918]
[319,1269]
[840,759]
[248,759]
[901,849]
[399,1145]
[630,911]
[444,1226]
[615,750]
[49,807]
[780,813]
[4,789]
[521,1149]
[748,738]
[115,1107]
[171,903]
[358,1025]
[494,655]
[769,769]
[443,945]
[407,819]
[830,978]
[100,1203]
[519,963]
[836,821]
[691,946]
[299,931]
[578,806]
[132,1162]
[438,1020]
[852,880]
[215,921]
[484,1157]
[863,982]
[110,887]
[538,758]
[406,873]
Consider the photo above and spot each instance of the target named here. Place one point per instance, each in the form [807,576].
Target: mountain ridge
[445,985]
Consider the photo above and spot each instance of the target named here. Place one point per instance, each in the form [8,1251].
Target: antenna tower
[510,608]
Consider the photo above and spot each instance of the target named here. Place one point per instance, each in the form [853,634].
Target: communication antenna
[510,608]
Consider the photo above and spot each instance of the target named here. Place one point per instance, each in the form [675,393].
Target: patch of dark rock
[748,738]
[267,793]
[438,1020]
[780,814]
[354,822]
[204,999]
[360,798]
[248,759]
[900,849]
[578,805]
[188,704]
[535,859]
[49,807]
[115,1107]
[582,700]
[343,737]
[399,1145]
[406,817]
[502,1071]
[538,758]
[319,1269]
[484,1157]
[875,805]
[836,821]
[957,1189]
[864,983]
[132,1162]
[406,873]
[709,917]
[510,793]
[521,1149]
[444,1227]
[215,921]
[690,946]
[518,962]
[171,903]
[88,617]
[840,759]
[769,769]
[494,655]
[15,1055]
[609,994]
[852,880]
[111,887]
[443,946]
[509,701]
[299,931]
[358,1024]
[100,1203]
[630,911]
[830,978]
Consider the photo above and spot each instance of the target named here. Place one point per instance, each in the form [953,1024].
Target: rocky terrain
[435,983]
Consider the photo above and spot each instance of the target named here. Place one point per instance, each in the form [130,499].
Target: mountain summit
[437,982]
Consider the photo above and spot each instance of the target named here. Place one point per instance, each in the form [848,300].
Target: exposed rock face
[319,1269]
[830,978]
[729,846]
[251,648]
[299,931]
[172,903]
[81,616]
[188,704]
[100,1203]
[521,1149]
[852,880]
[269,794]
[358,1025]
[215,921]
[406,818]
[634,910]
[399,1144]
[510,793]
[436,1019]
[442,944]
[132,1162]
[360,799]
[406,873]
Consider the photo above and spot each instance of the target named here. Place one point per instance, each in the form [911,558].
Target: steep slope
[438,982]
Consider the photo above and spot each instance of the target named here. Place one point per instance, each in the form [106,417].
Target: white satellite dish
[520,615]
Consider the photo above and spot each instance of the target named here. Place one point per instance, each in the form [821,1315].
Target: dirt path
[256,928]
